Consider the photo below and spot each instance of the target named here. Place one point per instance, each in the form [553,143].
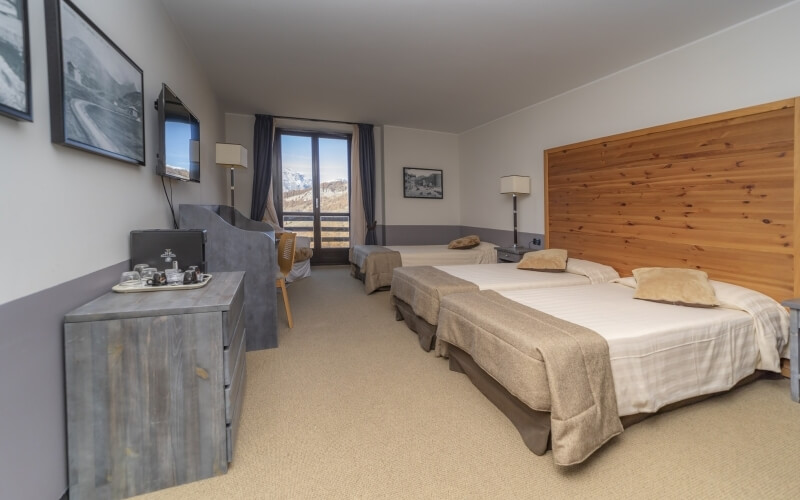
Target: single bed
[572,364]
[417,291]
[374,264]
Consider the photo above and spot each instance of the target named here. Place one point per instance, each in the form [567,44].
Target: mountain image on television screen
[102,91]
[13,91]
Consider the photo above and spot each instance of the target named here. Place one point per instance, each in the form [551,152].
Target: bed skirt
[424,330]
[534,425]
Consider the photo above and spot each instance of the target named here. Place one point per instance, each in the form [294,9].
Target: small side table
[794,347]
[514,254]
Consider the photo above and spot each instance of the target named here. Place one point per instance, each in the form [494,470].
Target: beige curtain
[270,214]
[358,223]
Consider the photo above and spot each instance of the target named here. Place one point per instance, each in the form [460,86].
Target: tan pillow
[682,287]
[465,243]
[301,254]
[552,260]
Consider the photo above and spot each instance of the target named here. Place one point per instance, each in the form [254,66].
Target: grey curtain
[262,165]
[366,156]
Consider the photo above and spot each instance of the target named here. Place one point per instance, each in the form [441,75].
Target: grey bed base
[424,330]
[534,425]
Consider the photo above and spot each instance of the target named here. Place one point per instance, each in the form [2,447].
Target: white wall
[66,213]
[405,147]
[752,63]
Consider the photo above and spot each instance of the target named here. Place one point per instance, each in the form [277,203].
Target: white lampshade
[231,155]
[515,184]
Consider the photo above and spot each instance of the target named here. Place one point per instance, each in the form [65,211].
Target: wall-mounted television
[179,138]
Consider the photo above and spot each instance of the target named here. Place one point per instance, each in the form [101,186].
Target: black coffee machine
[160,247]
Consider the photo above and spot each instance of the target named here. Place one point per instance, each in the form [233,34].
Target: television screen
[179,149]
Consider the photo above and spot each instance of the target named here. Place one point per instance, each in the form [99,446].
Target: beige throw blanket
[376,264]
[422,288]
[547,363]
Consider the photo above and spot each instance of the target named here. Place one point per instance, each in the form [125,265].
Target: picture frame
[96,90]
[15,58]
[423,183]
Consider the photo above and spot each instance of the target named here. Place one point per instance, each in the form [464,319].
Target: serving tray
[162,288]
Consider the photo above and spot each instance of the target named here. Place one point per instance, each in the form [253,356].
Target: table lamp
[231,156]
[514,185]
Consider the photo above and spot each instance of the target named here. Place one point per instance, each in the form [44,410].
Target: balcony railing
[335,229]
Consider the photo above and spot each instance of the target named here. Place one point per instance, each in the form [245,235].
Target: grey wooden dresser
[155,383]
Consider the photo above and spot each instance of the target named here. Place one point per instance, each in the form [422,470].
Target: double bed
[374,264]
[567,363]
[416,292]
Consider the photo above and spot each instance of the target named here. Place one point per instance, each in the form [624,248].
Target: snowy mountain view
[298,196]
[298,193]
[294,181]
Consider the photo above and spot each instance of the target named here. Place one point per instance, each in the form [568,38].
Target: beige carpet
[349,406]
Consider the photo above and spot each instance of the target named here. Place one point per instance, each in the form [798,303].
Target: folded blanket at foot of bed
[422,288]
[555,366]
[374,264]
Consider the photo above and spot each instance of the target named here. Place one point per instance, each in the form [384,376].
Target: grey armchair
[237,243]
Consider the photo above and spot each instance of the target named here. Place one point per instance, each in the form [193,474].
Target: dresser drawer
[233,391]
[231,353]
[232,316]
[232,428]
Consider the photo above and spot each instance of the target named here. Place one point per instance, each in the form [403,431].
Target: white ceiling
[445,65]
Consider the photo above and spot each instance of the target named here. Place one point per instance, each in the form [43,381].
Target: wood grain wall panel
[744,135]
[715,193]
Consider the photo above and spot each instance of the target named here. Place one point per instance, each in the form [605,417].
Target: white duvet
[506,276]
[440,255]
[662,353]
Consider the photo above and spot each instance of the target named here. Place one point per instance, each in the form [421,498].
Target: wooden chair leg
[282,284]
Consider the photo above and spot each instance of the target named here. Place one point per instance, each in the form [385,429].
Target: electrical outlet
[537,241]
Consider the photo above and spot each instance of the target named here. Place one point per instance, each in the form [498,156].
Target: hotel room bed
[416,291]
[374,264]
[568,363]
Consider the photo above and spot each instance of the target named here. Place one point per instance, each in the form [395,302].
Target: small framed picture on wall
[422,183]
[15,61]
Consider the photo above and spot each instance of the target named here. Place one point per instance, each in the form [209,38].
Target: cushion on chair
[302,254]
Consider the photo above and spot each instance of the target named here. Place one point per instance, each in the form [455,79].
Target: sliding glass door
[313,182]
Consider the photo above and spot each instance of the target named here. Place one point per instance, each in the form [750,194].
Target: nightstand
[513,254]
[794,347]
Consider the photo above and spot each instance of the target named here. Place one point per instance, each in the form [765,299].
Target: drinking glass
[130,278]
[174,277]
[148,273]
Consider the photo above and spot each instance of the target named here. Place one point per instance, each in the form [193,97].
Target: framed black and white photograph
[422,183]
[96,98]
[15,60]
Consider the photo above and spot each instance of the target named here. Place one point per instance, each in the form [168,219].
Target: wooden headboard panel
[715,193]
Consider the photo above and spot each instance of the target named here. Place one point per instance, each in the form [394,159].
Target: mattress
[417,290]
[662,353]
[374,264]
[440,255]
[657,354]
[506,276]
